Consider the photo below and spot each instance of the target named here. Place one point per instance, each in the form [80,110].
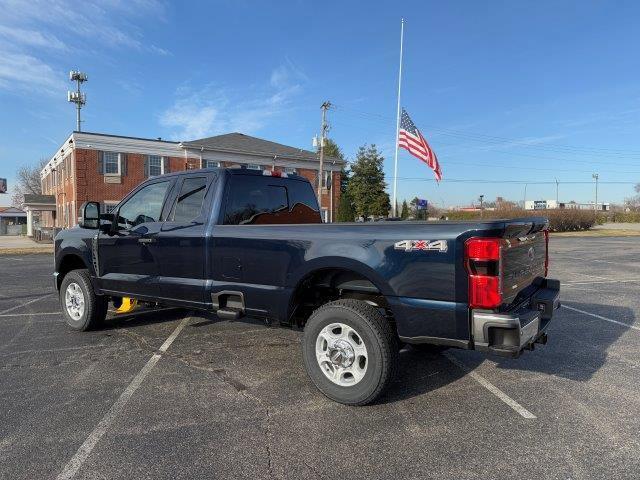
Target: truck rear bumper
[508,334]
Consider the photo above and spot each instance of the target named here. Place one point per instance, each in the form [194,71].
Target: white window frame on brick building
[327,178]
[109,206]
[211,164]
[155,158]
[107,158]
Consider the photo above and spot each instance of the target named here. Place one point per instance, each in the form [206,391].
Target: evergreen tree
[346,212]
[332,150]
[419,214]
[405,210]
[366,185]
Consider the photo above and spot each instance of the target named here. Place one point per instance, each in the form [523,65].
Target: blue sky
[505,91]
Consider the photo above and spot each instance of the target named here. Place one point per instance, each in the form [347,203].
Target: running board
[228,304]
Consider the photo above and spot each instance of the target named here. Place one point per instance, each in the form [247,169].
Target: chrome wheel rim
[74,301]
[342,354]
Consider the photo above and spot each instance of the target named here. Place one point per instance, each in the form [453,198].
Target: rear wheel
[82,308]
[350,351]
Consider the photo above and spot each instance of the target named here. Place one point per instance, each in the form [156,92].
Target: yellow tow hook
[128,305]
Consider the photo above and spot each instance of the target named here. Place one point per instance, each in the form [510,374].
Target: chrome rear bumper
[508,334]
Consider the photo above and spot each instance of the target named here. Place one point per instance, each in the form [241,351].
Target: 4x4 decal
[415,245]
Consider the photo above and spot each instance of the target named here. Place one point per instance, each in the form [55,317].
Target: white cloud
[34,32]
[159,50]
[31,38]
[279,76]
[109,23]
[190,118]
[24,72]
[212,110]
[529,141]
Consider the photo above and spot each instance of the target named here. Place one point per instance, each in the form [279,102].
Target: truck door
[182,240]
[128,254]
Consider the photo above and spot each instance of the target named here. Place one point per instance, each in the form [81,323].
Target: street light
[481,202]
[595,177]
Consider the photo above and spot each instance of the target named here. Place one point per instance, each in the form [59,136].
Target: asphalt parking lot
[177,394]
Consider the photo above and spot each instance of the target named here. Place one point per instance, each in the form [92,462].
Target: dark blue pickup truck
[245,243]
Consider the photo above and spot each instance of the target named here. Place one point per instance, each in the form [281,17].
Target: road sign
[3,185]
[421,204]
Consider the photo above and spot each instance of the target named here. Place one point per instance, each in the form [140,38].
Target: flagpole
[395,163]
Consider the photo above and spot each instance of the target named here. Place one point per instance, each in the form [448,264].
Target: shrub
[565,220]
[625,217]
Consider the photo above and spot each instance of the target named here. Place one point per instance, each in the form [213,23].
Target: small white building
[554,204]
[540,205]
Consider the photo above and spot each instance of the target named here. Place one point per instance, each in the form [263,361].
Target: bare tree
[634,202]
[27,182]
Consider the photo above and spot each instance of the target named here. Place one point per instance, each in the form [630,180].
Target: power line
[514,182]
[497,140]
[514,154]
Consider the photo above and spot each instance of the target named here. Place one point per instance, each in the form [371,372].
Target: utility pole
[481,204]
[77,97]
[557,201]
[323,135]
[595,177]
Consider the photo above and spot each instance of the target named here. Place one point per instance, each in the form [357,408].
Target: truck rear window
[266,200]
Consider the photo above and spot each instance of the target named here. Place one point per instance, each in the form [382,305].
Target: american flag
[410,138]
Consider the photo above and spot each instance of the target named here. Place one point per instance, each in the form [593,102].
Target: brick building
[104,168]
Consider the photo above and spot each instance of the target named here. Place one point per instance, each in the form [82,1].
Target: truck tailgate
[523,260]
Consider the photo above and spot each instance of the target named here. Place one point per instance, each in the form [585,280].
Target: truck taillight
[546,252]
[482,261]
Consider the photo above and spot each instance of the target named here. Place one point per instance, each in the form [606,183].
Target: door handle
[146,240]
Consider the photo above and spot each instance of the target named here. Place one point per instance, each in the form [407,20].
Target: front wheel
[82,308]
[350,351]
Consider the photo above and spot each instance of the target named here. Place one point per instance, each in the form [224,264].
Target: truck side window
[144,206]
[303,203]
[253,201]
[189,202]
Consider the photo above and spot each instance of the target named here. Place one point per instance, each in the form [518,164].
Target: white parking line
[54,350]
[86,448]
[523,412]
[600,261]
[30,314]
[25,304]
[627,280]
[600,317]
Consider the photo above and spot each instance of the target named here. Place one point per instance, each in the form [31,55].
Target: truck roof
[233,171]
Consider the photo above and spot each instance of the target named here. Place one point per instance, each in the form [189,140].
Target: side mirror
[90,215]
[107,222]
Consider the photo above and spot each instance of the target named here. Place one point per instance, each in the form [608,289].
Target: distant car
[244,243]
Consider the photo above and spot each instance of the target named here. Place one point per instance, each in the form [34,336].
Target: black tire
[379,339]
[95,306]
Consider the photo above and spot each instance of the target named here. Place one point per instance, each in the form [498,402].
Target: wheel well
[68,263]
[326,285]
